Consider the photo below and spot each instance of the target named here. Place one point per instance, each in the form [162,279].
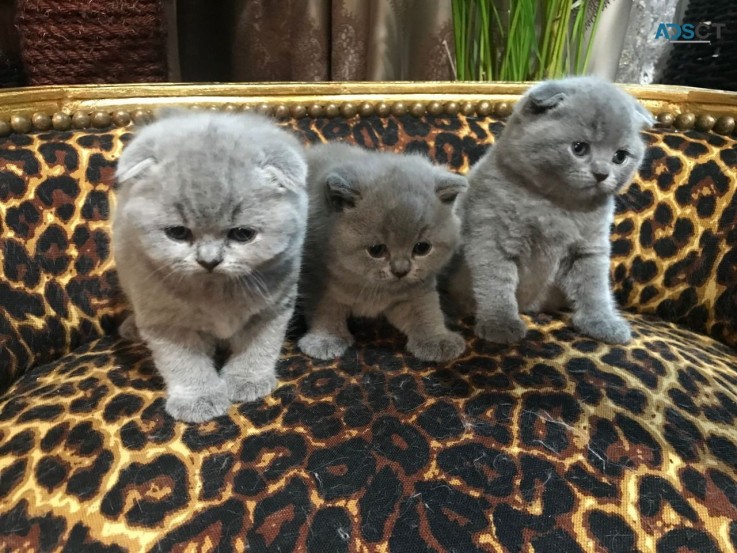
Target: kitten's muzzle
[209,264]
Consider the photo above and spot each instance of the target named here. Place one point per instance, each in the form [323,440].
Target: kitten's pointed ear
[449,186]
[544,97]
[643,116]
[286,165]
[341,189]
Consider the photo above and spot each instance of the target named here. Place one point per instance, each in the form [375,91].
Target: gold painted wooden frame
[81,106]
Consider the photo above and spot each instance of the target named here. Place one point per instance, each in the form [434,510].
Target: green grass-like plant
[523,40]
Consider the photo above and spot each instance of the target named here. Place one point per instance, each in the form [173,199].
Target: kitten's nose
[209,264]
[400,267]
[600,176]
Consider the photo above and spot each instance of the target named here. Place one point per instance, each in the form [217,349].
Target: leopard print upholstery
[557,444]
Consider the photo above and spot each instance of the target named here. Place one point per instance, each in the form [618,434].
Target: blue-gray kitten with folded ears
[539,209]
[381,228]
[207,237]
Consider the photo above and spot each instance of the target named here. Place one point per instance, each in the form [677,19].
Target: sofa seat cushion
[561,442]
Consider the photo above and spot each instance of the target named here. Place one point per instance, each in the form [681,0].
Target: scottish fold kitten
[539,208]
[207,237]
[381,227]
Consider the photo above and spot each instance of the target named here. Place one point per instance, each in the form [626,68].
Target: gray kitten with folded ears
[381,227]
[539,209]
[207,237]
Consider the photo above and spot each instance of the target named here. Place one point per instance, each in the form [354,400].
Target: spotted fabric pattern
[557,444]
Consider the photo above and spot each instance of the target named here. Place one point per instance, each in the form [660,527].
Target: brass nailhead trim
[483,108]
[141,117]
[121,118]
[705,122]
[383,109]
[724,125]
[81,120]
[281,111]
[348,110]
[366,109]
[331,110]
[666,119]
[435,108]
[685,121]
[62,121]
[399,109]
[316,111]
[298,112]
[20,124]
[468,108]
[503,109]
[101,119]
[41,121]
[417,109]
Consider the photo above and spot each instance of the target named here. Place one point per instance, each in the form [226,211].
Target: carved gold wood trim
[81,106]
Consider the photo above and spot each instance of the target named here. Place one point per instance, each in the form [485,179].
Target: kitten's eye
[242,234]
[377,250]
[421,248]
[180,234]
[620,156]
[580,148]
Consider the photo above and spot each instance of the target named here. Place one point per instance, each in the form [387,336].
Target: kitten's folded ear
[136,161]
[544,97]
[286,165]
[642,115]
[449,185]
[341,189]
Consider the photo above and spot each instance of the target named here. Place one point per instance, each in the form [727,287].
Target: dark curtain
[314,40]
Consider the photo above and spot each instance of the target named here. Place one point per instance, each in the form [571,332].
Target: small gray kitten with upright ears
[207,236]
[381,228]
[539,209]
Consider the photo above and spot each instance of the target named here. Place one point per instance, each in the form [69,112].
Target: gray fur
[358,199]
[536,219]
[211,173]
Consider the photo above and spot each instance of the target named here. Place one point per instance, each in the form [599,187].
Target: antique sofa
[556,444]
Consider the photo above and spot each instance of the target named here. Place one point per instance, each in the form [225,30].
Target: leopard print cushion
[557,444]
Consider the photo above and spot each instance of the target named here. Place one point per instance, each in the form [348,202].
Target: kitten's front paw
[245,390]
[209,405]
[323,346]
[501,331]
[443,347]
[612,329]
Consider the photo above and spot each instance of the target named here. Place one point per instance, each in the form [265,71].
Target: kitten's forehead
[605,115]
[398,215]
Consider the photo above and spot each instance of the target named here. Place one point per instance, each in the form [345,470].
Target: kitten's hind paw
[443,347]
[611,329]
[501,331]
[323,346]
[201,408]
[249,390]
